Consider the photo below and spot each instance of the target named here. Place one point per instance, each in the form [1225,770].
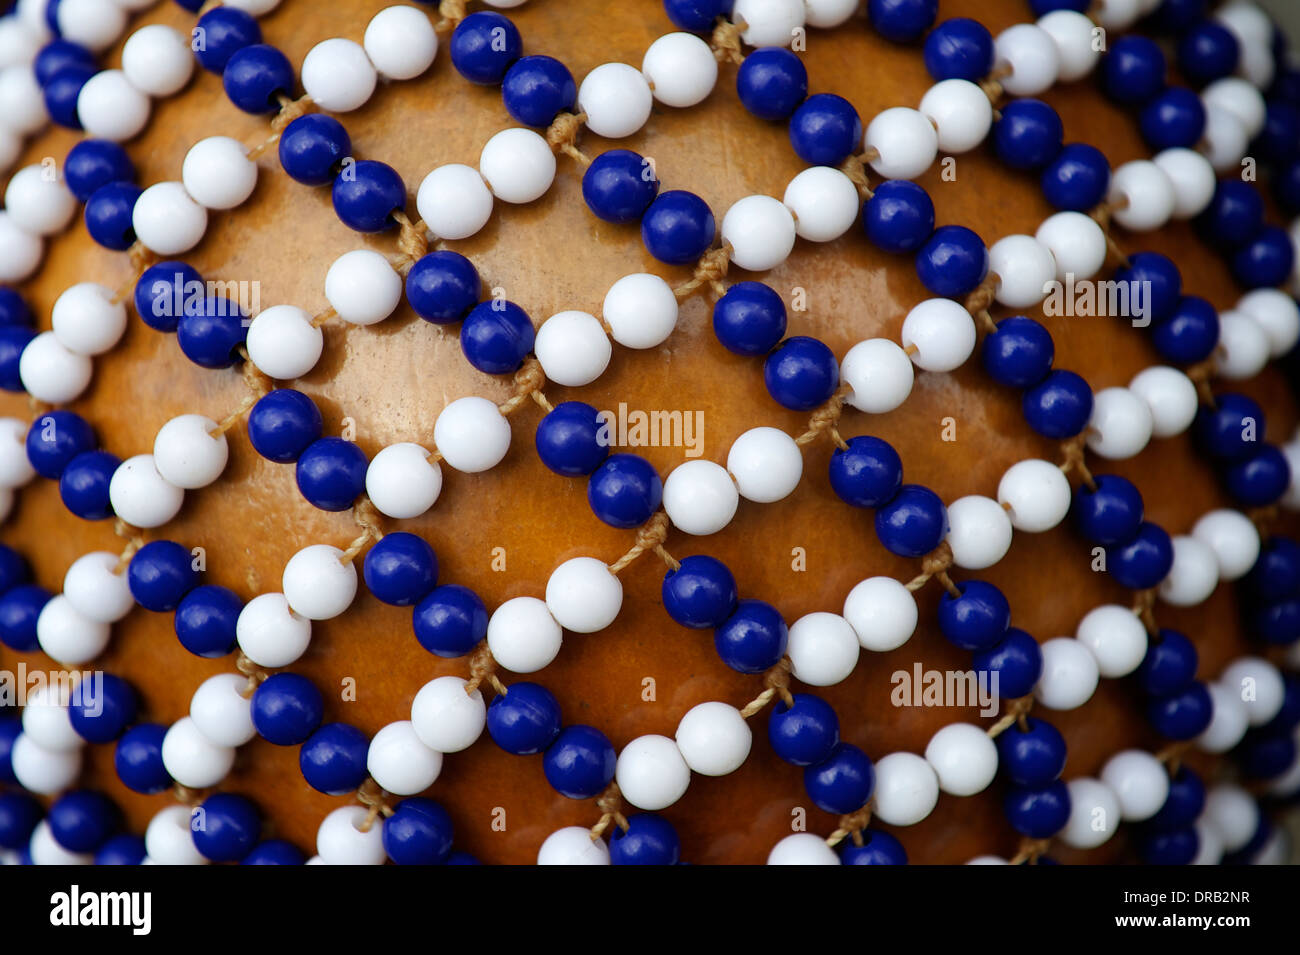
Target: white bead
[317,584]
[402,482]
[988,860]
[1032,55]
[11,144]
[1094,813]
[167,220]
[1170,397]
[1148,192]
[766,465]
[67,635]
[572,348]
[1024,266]
[445,717]
[46,850]
[824,203]
[584,595]
[641,310]
[761,232]
[823,649]
[802,848]
[94,588]
[1233,538]
[961,113]
[363,287]
[18,44]
[1257,66]
[270,633]
[1069,674]
[573,845]
[1192,177]
[680,68]
[256,8]
[217,172]
[1116,638]
[964,758]
[157,60]
[768,22]
[1073,35]
[700,497]
[399,762]
[825,14]
[20,252]
[141,496]
[1224,140]
[714,739]
[1139,781]
[906,789]
[523,636]
[221,712]
[22,105]
[192,759]
[1076,243]
[86,320]
[1228,722]
[400,42]
[1120,425]
[92,23]
[15,467]
[518,165]
[169,838]
[337,75]
[283,343]
[979,532]
[1291,499]
[186,454]
[651,773]
[882,612]
[1240,98]
[340,840]
[38,201]
[45,718]
[1262,690]
[1036,495]
[471,434]
[879,372]
[454,201]
[50,372]
[1233,814]
[616,99]
[1247,22]
[943,333]
[41,770]
[905,140]
[1210,848]
[109,107]
[1117,14]
[1243,347]
[1277,314]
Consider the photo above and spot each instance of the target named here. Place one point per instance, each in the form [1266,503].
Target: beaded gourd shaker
[496,432]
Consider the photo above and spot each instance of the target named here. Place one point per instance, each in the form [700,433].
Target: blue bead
[401,569]
[1182,715]
[1015,662]
[19,609]
[1265,260]
[1260,478]
[772,82]
[57,54]
[878,848]
[367,193]
[524,720]
[625,490]
[619,185]
[93,163]
[83,486]
[1134,70]
[19,814]
[899,216]
[677,227]
[1077,179]
[753,638]
[959,49]
[866,474]
[1288,717]
[225,827]
[1265,755]
[1028,134]
[1154,282]
[1019,353]
[283,424]
[162,291]
[978,619]
[902,21]
[496,337]
[825,130]
[953,261]
[538,88]
[255,76]
[1038,813]
[1279,141]
[124,849]
[287,709]
[697,16]
[108,215]
[13,339]
[1234,216]
[274,852]
[1112,513]
[82,819]
[14,569]
[749,318]
[801,373]
[55,438]
[483,47]
[211,330]
[1060,406]
[160,575]
[1032,757]
[649,840]
[843,782]
[572,439]
[205,620]
[461,858]
[333,760]
[224,30]
[13,310]
[1276,574]
[1174,847]
[1276,623]
[913,523]
[1206,52]
[312,147]
[1184,803]
[580,762]
[1174,119]
[331,473]
[450,621]
[419,832]
[1232,429]
[10,729]
[803,734]
[701,593]
[1190,333]
[1041,8]
[443,286]
[61,91]
[102,708]
[1169,665]
[1176,16]
[1143,561]
[138,759]
[1286,186]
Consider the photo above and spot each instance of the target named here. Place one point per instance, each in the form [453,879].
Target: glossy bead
[1072,34]
[1190,333]
[1232,429]
[701,593]
[61,91]
[450,620]
[573,845]
[121,850]
[362,287]
[287,709]
[496,336]
[283,424]
[619,184]
[283,343]
[454,201]
[569,439]
[806,733]
[823,649]
[616,99]
[761,232]
[1015,663]
[1264,261]
[1206,52]
[229,828]
[952,262]
[1276,574]
[1144,560]
[1077,179]
[700,497]
[580,762]
[206,620]
[1028,134]
[446,717]
[771,83]
[825,129]
[902,21]
[108,215]
[1038,813]
[341,841]
[401,42]
[651,773]
[103,709]
[878,848]
[192,759]
[1267,690]
[317,583]
[523,636]
[749,318]
[483,47]
[961,113]
[866,474]
[366,194]
[648,840]
[1234,215]
[677,227]
[905,141]
[978,618]
[140,495]
[913,523]
[906,789]
[1060,406]
[880,373]
[537,88]
[524,720]
[680,68]
[400,569]
[399,762]
[939,334]
[337,75]
[696,15]
[331,473]
[1120,425]
[1183,714]
[82,820]
[1112,513]
[1277,314]
[84,484]
[312,147]
[14,340]
[772,23]
[1025,268]
[162,291]
[225,30]
[255,76]
[1145,193]
[802,848]
[419,832]
[471,434]
[583,595]
[271,852]
[211,330]
[899,216]
[1192,177]
[109,107]
[963,757]
[624,491]
[443,286]
[843,782]
[1032,55]
[518,165]
[640,310]
[1133,71]
[1172,119]
[137,759]
[160,574]
[959,48]
[54,439]
[753,638]
[68,636]
[801,373]
[1094,813]
[1070,674]
[1019,353]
